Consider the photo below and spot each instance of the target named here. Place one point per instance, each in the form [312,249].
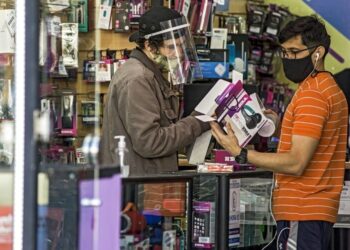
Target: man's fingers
[229,128]
[214,129]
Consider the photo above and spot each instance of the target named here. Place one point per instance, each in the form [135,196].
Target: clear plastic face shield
[179,50]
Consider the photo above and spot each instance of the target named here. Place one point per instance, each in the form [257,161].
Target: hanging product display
[104,20]
[122,16]
[7,32]
[70,44]
[89,112]
[103,71]
[137,9]
[56,5]
[67,120]
[204,16]
[80,15]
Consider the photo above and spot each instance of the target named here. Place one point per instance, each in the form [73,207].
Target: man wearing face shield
[142,106]
[310,162]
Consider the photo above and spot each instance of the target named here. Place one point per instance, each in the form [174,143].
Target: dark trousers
[302,235]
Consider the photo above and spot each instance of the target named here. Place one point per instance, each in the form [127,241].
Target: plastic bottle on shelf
[122,156]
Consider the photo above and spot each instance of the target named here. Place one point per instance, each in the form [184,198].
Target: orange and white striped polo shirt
[318,110]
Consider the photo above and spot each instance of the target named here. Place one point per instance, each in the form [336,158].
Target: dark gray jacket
[141,106]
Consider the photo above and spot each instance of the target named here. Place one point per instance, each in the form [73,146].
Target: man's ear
[150,48]
[320,52]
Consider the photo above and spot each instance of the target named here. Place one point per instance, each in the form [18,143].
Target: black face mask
[297,70]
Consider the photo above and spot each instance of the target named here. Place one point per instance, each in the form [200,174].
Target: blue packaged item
[214,70]
[231,53]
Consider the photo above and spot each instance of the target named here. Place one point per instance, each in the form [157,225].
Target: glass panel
[80,49]
[7,54]
[204,212]
[155,216]
[256,223]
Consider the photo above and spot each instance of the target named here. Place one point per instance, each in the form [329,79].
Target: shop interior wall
[340,43]
[108,39]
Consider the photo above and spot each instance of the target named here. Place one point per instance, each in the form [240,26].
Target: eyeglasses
[292,53]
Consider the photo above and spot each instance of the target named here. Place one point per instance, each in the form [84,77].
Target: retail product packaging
[143,245]
[67,119]
[89,112]
[57,5]
[122,15]
[230,103]
[49,105]
[6,227]
[70,35]
[7,31]
[104,20]
[193,15]
[234,213]
[239,56]
[106,224]
[6,210]
[222,5]
[208,167]
[6,99]
[43,222]
[7,142]
[43,37]
[203,224]
[344,205]
[273,23]
[166,199]
[204,16]
[79,14]
[218,38]
[103,71]
[183,6]
[50,35]
[81,157]
[137,9]
[169,240]
[256,21]
[89,71]
[224,157]
[214,70]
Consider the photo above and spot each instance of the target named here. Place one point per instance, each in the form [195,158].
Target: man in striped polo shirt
[310,163]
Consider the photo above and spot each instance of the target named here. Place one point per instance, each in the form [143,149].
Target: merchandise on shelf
[105,15]
[123,12]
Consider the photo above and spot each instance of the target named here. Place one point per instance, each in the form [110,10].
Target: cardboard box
[214,70]
[230,103]
[197,151]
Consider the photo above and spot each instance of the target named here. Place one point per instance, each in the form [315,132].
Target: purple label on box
[231,100]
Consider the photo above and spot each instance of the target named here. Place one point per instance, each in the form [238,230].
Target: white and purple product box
[230,103]
[203,224]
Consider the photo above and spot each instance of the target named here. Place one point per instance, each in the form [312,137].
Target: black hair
[154,42]
[313,32]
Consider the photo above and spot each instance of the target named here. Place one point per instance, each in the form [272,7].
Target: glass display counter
[187,210]
[182,210]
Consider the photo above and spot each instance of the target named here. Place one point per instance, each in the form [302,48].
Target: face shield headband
[179,50]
